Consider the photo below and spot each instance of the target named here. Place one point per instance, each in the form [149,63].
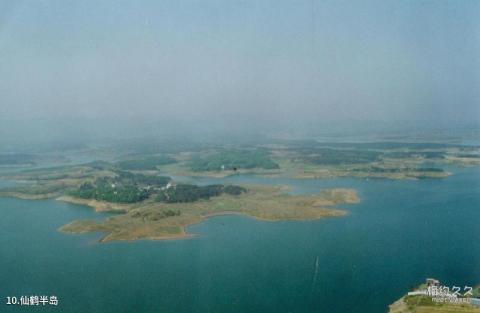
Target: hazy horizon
[71,69]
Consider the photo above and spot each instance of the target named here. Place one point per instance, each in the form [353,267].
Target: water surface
[401,233]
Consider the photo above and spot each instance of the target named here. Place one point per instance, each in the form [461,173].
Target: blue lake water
[401,233]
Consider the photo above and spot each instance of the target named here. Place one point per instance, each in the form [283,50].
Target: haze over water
[84,70]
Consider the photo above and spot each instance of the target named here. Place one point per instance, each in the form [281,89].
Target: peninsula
[152,219]
[153,206]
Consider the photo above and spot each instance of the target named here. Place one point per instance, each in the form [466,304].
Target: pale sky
[267,65]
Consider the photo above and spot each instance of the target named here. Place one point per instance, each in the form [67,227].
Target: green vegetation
[233,159]
[127,178]
[126,187]
[191,193]
[476,292]
[419,301]
[150,163]
[331,153]
[33,190]
[392,160]
[110,193]
[328,156]
[155,215]
[292,159]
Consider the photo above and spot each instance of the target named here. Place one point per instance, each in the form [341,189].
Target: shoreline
[266,204]
[185,234]
[97,206]
[161,220]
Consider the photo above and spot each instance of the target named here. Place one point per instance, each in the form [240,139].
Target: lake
[401,233]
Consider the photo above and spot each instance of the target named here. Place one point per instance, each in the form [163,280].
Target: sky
[148,67]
